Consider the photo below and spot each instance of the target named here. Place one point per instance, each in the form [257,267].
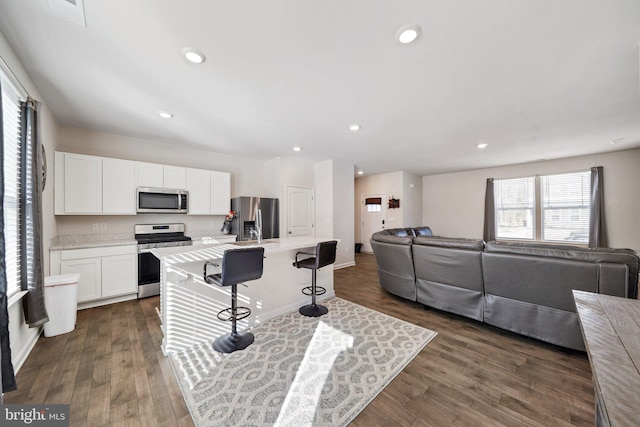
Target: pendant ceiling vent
[69,10]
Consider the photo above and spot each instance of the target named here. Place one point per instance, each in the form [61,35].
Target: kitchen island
[189,305]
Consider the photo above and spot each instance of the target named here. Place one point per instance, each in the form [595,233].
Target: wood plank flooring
[112,371]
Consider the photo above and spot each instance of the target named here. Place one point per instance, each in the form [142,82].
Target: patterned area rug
[300,371]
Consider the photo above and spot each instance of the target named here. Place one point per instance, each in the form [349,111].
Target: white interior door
[373,219]
[300,208]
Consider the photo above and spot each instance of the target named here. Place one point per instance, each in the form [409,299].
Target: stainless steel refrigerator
[245,220]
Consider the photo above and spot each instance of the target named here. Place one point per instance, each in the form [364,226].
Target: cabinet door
[118,187]
[149,175]
[89,269]
[82,184]
[175,177]
[119,275]
[220,193]
[199,187]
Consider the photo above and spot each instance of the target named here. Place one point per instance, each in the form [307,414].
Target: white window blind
[11,143]
[565,206]
[515,204]
[553,208]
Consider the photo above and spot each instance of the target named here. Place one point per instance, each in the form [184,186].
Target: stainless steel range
[150,236]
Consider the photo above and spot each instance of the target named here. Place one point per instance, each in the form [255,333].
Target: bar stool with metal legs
[238,266]
[325,255]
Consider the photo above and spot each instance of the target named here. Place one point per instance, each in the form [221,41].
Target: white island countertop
[190,259]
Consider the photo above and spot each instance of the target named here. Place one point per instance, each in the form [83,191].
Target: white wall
[387,184]
[22,337]
[324,199]
[343,212]
[400,185]
[453,204]
[334,207]
[411,199]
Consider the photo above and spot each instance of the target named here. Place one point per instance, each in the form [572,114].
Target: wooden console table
[611,330]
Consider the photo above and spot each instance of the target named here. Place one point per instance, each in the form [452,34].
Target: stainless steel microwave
[162,200]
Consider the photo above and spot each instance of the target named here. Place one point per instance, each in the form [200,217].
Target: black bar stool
[325,254]
[238,266]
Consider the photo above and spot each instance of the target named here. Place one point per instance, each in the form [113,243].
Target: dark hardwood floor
[112,372]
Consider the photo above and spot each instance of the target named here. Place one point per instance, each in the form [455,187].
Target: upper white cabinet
[199,188]
[209,192]
[78,185]
[118,187]
[220,193]
[149,175]
[174,177]
[160,176]
[92,185]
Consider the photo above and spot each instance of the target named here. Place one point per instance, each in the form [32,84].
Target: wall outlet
[103,226]
[95,226]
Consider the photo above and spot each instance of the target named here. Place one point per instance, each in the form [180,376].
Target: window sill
[16,297]
[545,242]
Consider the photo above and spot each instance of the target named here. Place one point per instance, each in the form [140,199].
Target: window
[515,202]
[545,208]
[373,204]
[11,166]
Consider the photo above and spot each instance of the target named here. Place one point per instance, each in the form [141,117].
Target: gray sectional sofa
[520,287]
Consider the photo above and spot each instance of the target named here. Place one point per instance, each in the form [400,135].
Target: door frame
[363,212]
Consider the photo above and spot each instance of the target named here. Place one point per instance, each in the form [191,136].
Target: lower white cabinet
[105,273]
[90,271]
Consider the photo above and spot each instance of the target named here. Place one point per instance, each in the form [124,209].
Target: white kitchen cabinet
[199,187]
[107,274]
[93,185]
[209,192]
[220,193]
[90,271]
[119,275]
[175,177]
[149,175]
[78,182]
[118,187]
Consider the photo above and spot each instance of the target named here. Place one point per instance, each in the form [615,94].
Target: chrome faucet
[257,230]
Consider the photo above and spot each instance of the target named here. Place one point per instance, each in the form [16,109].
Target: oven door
[148,274]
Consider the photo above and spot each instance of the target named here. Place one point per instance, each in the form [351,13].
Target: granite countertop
[83,241]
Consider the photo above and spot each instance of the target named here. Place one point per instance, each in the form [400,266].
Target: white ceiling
[533,78]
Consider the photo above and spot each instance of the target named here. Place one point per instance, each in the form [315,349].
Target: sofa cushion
[450,242]
[422,231]
[591,255]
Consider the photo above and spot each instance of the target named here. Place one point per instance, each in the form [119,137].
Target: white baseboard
[97,303]
[344,265]
[20,357]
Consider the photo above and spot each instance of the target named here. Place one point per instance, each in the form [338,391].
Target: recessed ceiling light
[354,127]
[193,55]
[165,114]
[482,145]
[296,148]
[360,172]
[616,141]
[408,33]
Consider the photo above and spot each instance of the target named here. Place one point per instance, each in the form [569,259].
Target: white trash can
[61,301]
